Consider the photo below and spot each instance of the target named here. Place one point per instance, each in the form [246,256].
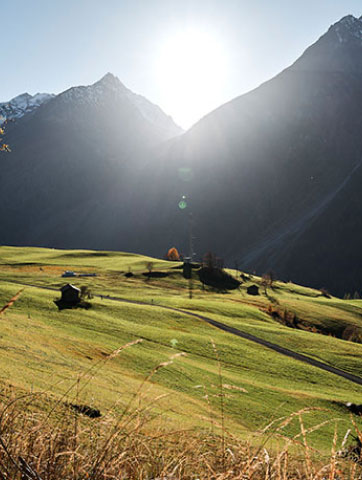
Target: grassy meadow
[176,372]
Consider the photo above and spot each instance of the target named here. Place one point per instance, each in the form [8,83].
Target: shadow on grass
[62,305]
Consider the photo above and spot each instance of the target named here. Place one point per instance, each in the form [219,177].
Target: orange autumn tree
[173,255]
[3,146]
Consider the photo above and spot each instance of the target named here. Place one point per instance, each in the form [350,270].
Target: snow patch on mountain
[21,105]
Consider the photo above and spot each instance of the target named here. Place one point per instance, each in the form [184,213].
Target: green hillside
[44,349]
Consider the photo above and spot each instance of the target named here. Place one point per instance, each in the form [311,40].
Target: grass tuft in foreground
[62,444]
[45,438]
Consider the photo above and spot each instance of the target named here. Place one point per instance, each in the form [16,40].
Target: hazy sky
[188,56]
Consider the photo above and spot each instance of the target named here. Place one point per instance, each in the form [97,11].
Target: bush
[325,293]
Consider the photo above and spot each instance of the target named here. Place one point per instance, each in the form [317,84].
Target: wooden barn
[253,290]
[70,294]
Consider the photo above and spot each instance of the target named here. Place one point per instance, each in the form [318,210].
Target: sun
[191,68]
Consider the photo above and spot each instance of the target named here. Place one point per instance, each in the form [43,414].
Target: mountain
[337,51]
[21,105]
[110,88]
[273,177]
[70,178]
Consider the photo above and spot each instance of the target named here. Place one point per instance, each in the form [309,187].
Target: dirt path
[233,331]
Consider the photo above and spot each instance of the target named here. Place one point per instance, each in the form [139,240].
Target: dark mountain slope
[67,180]
[272,178]
[275,172]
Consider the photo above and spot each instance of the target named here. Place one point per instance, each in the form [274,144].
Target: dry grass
[11,302]
[45,439]
[68,446]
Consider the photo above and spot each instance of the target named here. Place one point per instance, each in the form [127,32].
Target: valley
[181,302]
[266,175]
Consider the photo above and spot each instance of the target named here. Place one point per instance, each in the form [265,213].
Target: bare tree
[267,280]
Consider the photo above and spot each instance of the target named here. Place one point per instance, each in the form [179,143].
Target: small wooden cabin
[70,294]
[253,290]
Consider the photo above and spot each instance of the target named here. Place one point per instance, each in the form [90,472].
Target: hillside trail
[233,331]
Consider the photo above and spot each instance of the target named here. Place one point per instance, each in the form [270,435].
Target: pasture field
[189,374]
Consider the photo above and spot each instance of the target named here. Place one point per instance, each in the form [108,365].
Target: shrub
[352,333]
[325,293]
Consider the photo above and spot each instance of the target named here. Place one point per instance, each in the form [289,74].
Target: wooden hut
[253,290]
[70,294]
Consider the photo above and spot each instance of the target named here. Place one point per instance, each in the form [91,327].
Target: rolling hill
[46,350]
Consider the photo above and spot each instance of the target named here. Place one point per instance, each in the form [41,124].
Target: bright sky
[187,56]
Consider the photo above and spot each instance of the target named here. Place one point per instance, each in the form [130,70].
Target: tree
[213,274]
[173,255]
[85,293]
[211,261]
[267,280]
[4,147]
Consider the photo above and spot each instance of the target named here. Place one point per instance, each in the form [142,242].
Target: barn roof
[68,286]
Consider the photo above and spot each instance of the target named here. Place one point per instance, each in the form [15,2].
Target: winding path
[233,331]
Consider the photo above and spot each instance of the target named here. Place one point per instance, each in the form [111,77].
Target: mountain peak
[110,80]
[347,29]
[109,90]
[338,50]
[109,77]
[22,96]
[24,103]
[348,19]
